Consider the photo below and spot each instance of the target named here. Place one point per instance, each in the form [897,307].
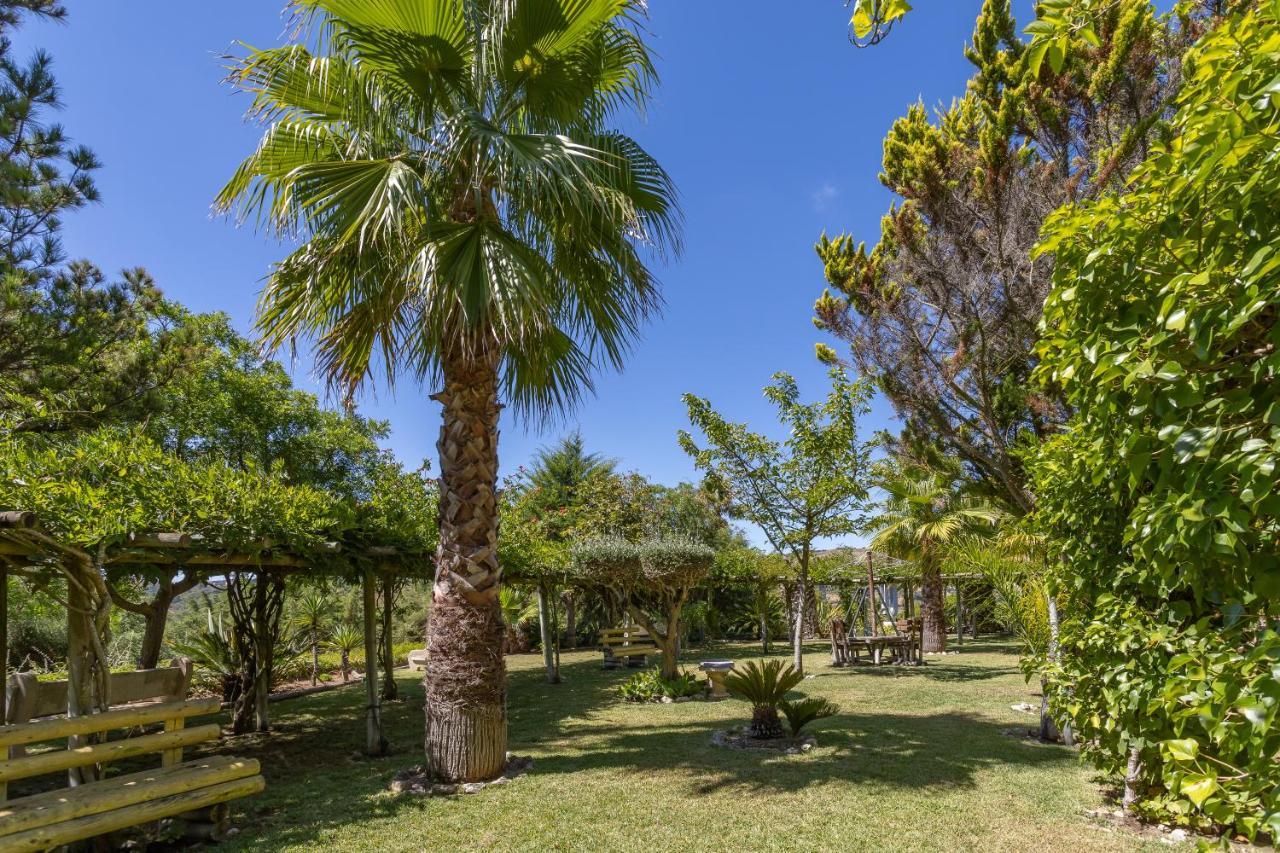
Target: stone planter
[716,670]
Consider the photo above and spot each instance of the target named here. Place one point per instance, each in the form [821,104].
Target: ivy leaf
[1199,788]
[1185,749]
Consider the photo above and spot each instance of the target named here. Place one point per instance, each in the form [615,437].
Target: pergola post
[871,597]
[959,614]
[4,640]
[375,744]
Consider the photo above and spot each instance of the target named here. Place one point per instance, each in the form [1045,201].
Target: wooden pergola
[25,546]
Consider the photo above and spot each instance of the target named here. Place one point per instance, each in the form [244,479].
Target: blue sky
[770,122]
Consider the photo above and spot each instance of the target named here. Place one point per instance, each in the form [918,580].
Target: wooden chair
[196,791]
[629,645]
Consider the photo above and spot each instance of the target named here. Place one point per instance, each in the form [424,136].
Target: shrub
[650,686]
[764,686]
[802,712]
[1160,497]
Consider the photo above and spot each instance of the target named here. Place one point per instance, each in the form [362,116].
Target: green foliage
[1162,328]
[610,561]
[764,685]
[533,250]
[810,485]
[97,488]
[673,562]
[651,686]
[802,712]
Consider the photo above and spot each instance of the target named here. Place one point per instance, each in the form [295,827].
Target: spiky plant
[764,686]
[344,639]
[802,712]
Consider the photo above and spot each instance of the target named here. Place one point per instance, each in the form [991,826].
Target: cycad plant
[802,712]
[469,215]
[764,686]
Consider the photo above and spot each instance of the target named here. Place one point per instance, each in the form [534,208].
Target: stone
[684,698]
[473,787]
[1179,835]
[667,700]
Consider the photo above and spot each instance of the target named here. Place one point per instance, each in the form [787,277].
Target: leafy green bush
[650,686]
[764,686]
[1163,331]
[802,712]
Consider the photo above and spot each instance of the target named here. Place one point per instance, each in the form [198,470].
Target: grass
[918,759]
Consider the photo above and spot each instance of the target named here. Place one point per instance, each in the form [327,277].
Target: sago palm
[467,215]
[923,512]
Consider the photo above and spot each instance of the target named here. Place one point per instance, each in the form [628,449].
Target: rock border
[415,780]
[742,740]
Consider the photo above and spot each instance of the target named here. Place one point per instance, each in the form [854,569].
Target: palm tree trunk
[466,708]
[933,615]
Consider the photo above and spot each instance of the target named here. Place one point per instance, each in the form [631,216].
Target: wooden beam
[20,734]
[17,519]
[160,540]
[122,792]
[45,838]
[100,753]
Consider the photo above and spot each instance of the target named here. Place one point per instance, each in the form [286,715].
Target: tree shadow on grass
[888,750]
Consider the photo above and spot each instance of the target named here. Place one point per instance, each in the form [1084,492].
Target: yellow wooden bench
[196,791]
[630,645]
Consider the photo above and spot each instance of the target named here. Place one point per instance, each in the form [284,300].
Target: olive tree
[652,579]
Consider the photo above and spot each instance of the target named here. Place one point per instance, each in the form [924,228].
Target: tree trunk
[544,632]
[802,591]
[154,621]
[466,707]
[390,691]
[570,621]
[1051,600]
[315,654]
[934,638]
[1132,777]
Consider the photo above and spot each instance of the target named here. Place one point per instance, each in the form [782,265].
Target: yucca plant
[764,686]
[802,712]
[344,639]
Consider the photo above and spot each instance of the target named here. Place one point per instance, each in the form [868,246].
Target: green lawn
[918,759]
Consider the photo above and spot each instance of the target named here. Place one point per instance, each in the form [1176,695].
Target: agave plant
[802,712]
[214,649]
[344,639]
[764,686]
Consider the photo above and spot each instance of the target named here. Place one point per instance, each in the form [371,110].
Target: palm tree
[344,639]
[469,216]
[923,513]
[312,611]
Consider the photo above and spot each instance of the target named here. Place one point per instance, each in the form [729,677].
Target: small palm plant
[344,639]
[802,712]
[312,611]
[764,686]
[518,609]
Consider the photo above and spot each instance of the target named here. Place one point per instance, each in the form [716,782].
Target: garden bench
[196,791]
[628,644]
[418,660]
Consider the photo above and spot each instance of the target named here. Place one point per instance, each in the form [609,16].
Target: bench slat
[119,792]
[630,651]
[42,838]
[19,734]
[65,759]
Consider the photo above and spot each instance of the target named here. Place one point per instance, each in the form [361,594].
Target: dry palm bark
[466,712]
